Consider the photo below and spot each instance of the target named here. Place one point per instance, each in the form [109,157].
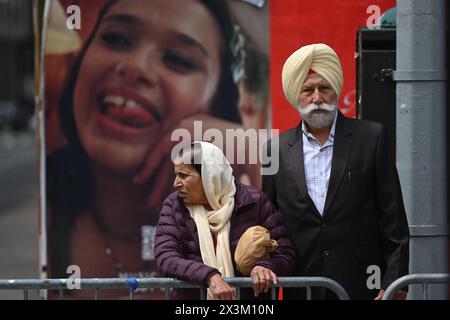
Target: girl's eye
[179,63]
[116,40]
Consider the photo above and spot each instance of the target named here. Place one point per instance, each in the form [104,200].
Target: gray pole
[421,134]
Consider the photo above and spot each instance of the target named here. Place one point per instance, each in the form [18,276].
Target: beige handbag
[254,244]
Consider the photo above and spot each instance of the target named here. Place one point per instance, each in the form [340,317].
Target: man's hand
[262,279]
[399,295]
[220,289]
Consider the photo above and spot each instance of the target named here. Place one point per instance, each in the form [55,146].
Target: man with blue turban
[337,186]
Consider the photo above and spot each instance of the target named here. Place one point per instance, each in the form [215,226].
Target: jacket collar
[242,197]
[342,145]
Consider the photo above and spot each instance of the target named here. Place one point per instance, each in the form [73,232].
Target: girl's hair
[224,103]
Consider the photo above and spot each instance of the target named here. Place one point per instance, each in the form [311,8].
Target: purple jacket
[177,248]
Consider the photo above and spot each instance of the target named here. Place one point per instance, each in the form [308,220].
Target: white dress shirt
[317,162]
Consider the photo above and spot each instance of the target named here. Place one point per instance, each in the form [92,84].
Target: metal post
[166,294]
[203,294]
[421,134]
[60,294]
[273,293]
[238,293]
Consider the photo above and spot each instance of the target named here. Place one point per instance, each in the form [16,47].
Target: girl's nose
[138,69]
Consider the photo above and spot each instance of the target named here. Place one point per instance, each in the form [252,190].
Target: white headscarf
[317,57]
[219,187]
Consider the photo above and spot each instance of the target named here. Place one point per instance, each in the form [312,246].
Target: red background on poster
[295,23]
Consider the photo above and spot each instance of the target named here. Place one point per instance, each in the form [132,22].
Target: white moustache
[313,107]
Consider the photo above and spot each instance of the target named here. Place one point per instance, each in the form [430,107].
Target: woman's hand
[262,279]
[399,295]
[220,289]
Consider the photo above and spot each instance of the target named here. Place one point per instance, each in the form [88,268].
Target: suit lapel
[298,167]
[341,148]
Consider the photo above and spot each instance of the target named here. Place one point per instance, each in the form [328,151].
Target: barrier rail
[166,283]
[425,279]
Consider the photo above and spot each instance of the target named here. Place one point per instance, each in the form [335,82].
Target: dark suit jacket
[364,221]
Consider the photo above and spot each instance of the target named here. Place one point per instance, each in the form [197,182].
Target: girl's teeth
[131,104]
[116,100]
[121,102]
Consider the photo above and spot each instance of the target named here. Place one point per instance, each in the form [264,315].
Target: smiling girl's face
[151,63]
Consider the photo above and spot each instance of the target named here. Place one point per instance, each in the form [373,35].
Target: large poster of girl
[143,68]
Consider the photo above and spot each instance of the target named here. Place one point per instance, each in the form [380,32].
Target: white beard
[318,120]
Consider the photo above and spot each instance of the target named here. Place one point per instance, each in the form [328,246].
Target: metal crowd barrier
[424,278]
[166,283]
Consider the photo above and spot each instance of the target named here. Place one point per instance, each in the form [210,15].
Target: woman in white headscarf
[200,225]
